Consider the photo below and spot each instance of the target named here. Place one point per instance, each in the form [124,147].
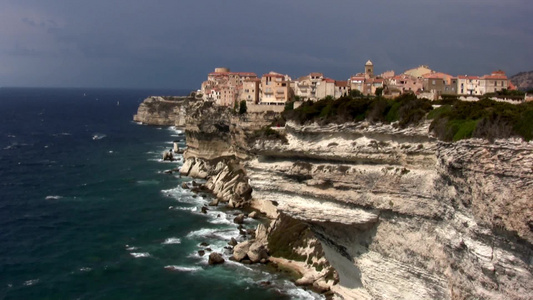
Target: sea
[88,212]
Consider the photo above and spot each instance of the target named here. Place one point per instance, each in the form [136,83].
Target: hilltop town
[272,90]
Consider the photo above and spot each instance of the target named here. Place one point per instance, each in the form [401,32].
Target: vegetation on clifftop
[482,119]
[406,109]
[452,119]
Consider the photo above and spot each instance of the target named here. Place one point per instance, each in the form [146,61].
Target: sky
[175,43]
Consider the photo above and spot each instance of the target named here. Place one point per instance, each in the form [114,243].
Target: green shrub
[482,119]
[436,112]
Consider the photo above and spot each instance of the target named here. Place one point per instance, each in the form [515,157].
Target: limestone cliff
[397,213]
[162,111]
[403,216]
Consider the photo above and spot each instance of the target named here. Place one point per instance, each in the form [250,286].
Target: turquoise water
[86,211]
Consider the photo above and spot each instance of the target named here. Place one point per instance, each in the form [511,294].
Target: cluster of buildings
[227,88]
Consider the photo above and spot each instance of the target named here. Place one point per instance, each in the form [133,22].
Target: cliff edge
[376,211]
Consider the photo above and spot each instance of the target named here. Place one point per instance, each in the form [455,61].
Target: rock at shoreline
[167,155]
[184,186]
[240,250]
[232,242]
[253,215]
[201,252]
[257,252]
[239,219]
[204,210]
[215,259]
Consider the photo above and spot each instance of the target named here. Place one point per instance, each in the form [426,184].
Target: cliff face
[398,214]
[403,216]
[162,111]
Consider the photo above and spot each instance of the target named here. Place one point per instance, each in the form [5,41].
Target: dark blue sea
[87,212]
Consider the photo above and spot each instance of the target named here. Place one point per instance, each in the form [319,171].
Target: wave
[31,282]
[53,197]
[85,269]
[171,241]
[191,208]
[98,136]
[182,269]
[140,254]
[131,248]
[148,182]
[16,145]
[214,233]
[62,134]
[175,130]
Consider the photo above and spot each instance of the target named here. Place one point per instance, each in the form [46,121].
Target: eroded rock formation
[396,213]
[163,111]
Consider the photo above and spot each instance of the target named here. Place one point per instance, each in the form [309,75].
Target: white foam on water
[183,196]
[219,217]
[171,241]
[214,233]
[183,269]
[53,197]
[131,248]
[31,282]
[140,254]
[85,269]
[98,136]
[192,208]
[175,130]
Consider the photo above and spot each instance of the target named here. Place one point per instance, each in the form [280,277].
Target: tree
[355,93]
[243,108]
[289,105]
[379,91]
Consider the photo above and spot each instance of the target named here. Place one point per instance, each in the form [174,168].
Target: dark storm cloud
[167,43]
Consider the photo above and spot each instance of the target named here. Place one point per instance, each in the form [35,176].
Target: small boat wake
[98,136]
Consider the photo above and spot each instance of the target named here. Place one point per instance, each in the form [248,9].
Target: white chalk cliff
[398,214]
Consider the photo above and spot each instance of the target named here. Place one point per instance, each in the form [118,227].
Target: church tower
[369,69]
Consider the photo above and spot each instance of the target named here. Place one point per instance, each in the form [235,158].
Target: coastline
[393,209]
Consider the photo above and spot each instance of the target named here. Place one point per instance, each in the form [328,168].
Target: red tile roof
[495,76]
[341,83]
[437,75]
[467,77]
[274,75]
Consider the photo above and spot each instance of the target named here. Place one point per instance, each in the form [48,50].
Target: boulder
[232,242]
[253,215]
[184,186]
[239,219]
[214,202]
[321,286]
[204,210]
[240,250]
[257,252]
[167,155]
[243,190]
[261,234]
[215,259]
[201,252]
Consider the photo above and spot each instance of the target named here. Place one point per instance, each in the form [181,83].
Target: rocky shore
[365,211]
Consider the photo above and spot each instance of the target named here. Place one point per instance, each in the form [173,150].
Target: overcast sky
[175,43]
